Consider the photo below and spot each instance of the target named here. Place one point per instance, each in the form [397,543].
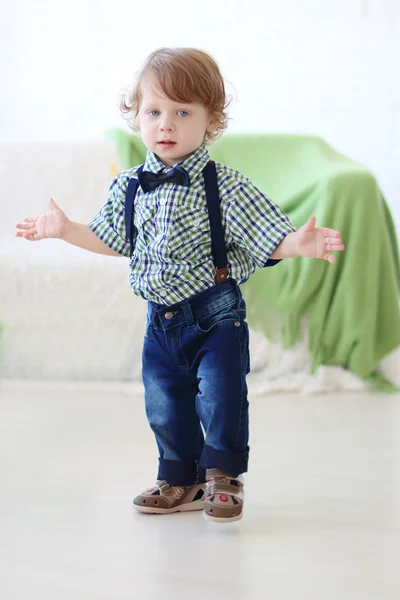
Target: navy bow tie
[150,181]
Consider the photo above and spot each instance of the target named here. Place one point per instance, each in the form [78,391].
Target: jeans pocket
[228,317]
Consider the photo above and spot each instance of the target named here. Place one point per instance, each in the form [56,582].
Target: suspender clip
[221,274]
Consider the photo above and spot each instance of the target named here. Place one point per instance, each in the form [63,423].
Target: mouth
[166,144]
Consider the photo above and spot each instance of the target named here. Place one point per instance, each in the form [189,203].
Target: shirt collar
[194,164]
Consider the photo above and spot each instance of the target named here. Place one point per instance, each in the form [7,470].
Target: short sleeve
[109,223]
[256,223]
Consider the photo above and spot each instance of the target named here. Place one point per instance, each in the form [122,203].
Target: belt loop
[152,315]
[188,314]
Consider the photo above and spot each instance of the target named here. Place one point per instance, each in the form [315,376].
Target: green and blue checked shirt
[172,256]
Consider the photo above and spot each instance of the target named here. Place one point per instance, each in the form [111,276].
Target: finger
[333,240]
[331,232]
[335,247]
[334,244]
[30,219]
[329,257]
[310,225]
[52,204]
[25,226]
[25,235]
[31,237]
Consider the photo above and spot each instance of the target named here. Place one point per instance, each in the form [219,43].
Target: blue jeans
[195,362]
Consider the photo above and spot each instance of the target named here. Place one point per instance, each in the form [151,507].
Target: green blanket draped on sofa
[352,307]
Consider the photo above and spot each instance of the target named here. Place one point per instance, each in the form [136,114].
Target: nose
[166,123]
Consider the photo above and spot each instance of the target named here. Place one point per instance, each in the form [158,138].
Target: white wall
[328,67]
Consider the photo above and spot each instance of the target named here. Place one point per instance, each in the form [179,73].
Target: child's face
[172,130]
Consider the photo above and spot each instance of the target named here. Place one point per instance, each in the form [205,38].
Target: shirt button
[168,315]
[163,201]
[196,223]
[163,293]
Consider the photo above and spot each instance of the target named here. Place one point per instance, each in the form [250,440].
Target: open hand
[318,242]
[53,224]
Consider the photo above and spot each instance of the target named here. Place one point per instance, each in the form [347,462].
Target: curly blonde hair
[183,75]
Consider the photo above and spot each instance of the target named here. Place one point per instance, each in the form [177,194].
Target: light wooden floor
[322,516]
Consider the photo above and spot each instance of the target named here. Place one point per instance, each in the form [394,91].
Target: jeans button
[237,323]
[169,315]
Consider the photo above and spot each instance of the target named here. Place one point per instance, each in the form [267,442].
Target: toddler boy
[194,231]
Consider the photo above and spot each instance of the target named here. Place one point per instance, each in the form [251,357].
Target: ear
[212,125]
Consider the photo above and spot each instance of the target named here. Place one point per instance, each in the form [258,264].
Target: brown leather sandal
[163,498]
[224,497]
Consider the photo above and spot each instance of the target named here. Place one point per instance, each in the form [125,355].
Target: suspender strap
[129,204]
[214,214]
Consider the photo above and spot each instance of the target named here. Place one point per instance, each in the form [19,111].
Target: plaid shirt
[172,256]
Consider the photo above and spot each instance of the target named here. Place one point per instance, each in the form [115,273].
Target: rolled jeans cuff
[230,463]
[180,472]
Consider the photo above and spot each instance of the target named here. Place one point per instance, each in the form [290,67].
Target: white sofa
[68,314]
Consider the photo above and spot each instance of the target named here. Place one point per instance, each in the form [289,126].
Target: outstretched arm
[310,241]
[56,224]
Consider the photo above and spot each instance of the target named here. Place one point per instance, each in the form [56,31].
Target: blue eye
[154,113]
[183,113]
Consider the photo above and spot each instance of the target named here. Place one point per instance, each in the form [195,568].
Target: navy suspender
[129,204]
[214,214]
